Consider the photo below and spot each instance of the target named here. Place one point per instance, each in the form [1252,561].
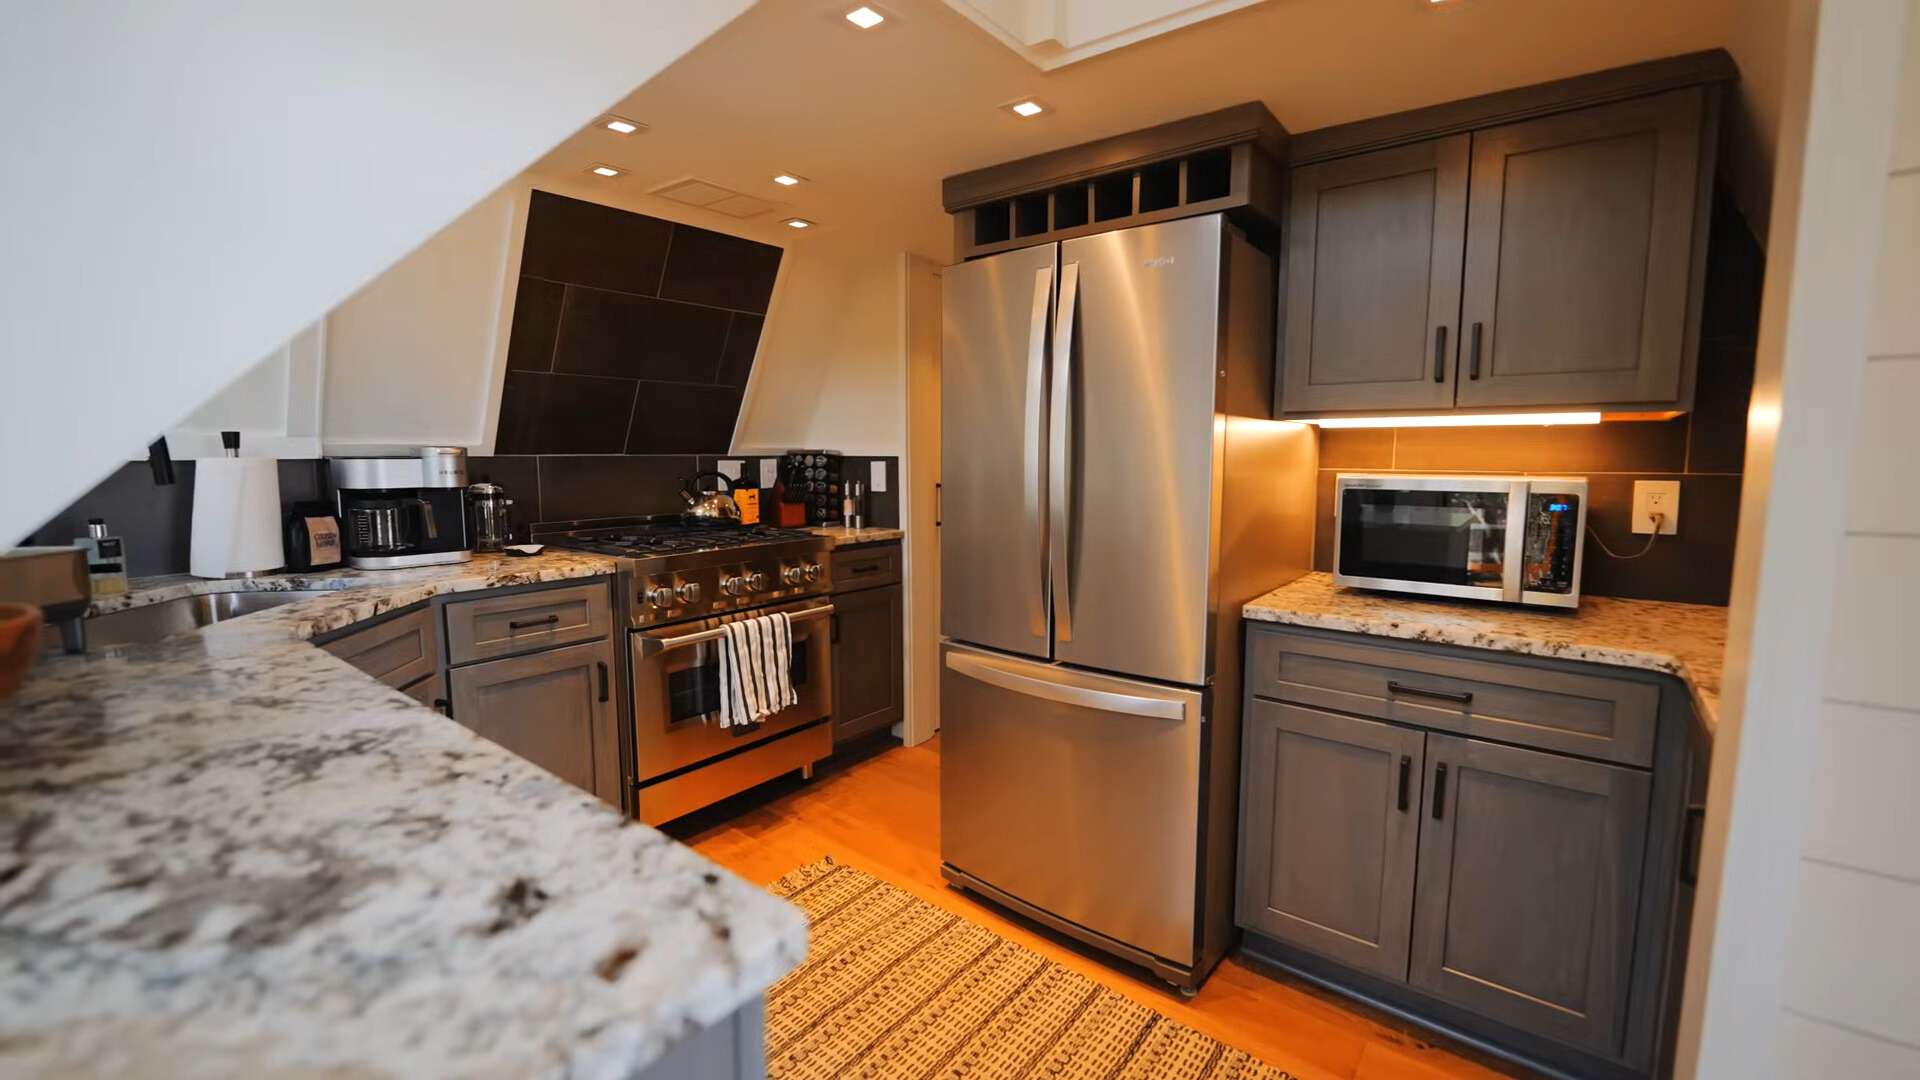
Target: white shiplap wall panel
[1895,327]
[1876,623]
[1809,1048]
[1864,806]
[1853,987]
[1886,461]
[1853,954]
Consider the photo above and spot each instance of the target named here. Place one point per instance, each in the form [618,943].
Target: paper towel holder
[236,515]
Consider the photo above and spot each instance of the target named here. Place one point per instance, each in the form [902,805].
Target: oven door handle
[654,646]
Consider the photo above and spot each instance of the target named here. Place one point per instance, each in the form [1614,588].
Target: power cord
[1610,553]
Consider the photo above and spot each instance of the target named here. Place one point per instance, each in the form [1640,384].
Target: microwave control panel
[1553,523]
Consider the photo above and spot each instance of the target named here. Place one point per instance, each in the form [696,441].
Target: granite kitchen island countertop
[231,854]
[1686,640]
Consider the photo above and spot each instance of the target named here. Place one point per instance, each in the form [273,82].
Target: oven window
[694,691]
[1442,537]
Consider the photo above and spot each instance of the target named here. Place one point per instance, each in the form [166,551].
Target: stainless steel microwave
[1516,539]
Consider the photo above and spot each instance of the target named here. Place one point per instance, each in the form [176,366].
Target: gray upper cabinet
[1581,238]
[1372,289]
[1529,885]
[1330,864]
[1530,254]
[552,708]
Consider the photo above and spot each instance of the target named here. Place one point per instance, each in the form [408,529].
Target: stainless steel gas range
[678,583]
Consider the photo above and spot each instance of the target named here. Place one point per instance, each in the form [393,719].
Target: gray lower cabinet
[1334,806]
[545,706]
[1522,895]
[869,642]
[1529,886]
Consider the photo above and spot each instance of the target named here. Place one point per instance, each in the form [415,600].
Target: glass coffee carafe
[487,506]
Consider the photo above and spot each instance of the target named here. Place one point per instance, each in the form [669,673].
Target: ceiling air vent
[708,196]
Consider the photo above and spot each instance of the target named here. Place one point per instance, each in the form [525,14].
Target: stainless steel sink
[154,622]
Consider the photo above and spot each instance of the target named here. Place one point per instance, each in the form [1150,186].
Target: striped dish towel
[756,665]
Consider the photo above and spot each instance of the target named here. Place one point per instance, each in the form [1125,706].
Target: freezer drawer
[1078,794]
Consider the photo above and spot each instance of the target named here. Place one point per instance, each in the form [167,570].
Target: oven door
[676,689]
[1443,536]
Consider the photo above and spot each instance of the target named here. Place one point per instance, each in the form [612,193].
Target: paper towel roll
[236,517]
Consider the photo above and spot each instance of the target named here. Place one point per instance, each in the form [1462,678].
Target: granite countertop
[842,537]
[231,854]
[1687,640]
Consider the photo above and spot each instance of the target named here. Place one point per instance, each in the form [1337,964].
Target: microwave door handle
[1035,449]
[1060,487]
[1512,574]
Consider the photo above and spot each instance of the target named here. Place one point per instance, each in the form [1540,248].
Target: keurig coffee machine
[403,511]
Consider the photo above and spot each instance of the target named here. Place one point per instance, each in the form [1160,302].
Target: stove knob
[659,596]
[756,582]
[794,575]
[734,586]
[688,593]
[812,572]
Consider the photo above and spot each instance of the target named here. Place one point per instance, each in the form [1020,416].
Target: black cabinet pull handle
[1439,790]
[834,621]
[602,665]
[1463,697]
[870,568]
[1690,838]
[445,706]
[1406,777]
[522,624]
[1473,359]
[1440,354]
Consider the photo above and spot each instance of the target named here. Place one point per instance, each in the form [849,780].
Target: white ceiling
[874,119]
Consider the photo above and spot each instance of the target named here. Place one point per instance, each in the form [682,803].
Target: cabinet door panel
[1328,842]
[1529,883]
[1373,280]
[1580,244]
[869,683]
[547,707]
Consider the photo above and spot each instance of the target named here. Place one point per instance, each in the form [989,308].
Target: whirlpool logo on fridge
[1164,260]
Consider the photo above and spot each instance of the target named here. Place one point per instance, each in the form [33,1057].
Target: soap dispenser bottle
[106,559]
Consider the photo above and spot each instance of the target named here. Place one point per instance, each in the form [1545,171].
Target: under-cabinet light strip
[1458,420]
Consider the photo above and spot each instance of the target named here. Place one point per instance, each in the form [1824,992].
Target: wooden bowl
[19,644]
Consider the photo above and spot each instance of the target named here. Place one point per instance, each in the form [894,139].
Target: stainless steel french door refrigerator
[1112,492]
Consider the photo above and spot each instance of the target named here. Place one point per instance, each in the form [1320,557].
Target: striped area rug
[897,988]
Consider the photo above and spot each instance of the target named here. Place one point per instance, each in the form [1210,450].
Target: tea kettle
[714,506]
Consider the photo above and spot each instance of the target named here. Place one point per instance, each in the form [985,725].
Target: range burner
[669,539]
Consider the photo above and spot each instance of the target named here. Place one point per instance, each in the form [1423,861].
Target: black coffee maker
[403,511]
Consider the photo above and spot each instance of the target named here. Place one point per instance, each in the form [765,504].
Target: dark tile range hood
[630,334]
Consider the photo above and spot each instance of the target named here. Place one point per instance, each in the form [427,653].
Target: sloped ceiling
[874,119]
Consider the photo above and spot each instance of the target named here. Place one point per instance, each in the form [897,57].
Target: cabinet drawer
[1569,712]
[399,651]
[863,567]
[496,626]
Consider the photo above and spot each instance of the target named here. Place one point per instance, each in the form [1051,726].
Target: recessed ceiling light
[865,18]
[797,223]
[619,124]
[787,179]
[1027,107]
[601,168]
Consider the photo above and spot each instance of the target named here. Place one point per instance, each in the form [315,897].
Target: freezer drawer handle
[1085,697]
[653,646]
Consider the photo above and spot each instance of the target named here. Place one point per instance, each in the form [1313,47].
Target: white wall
[1852,1000]
[188,184]
[1758,898]
[831,371]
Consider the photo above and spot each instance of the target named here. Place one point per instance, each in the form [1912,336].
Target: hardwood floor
[879,810]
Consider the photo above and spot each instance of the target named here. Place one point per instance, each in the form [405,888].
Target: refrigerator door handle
[1060,486]
[1066,693]
[1036,449]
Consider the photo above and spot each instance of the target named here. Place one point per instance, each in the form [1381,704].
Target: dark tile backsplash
[660,322]
[1704,450]
[156,520]
[554,488]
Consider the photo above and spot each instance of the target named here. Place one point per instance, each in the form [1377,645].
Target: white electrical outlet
[1652,497]
[731,469]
